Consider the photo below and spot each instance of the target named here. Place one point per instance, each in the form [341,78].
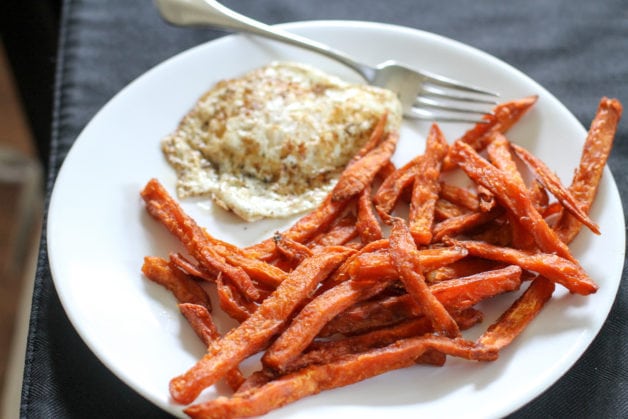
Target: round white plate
[98,231]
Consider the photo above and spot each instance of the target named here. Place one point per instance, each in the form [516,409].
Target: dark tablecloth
[577,49]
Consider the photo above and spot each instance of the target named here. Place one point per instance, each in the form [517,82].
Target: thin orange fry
[232,302]
[255,332]
[305,229]
[181,262]
[456,294]
[464,267]
[512,322]
[367,224]
[379,265]
[201,321]
[463,223]
[510,194]
[198,243]
[329,350]
[394,185]
[595,152]
[203,325]
[426,187]
[185,289]
[386,170]
[539,196]
[553,184]
[552,266]
[347,370]
[290,249]
[460,196]
[403,255]
[486,199]
[340,233]
[311,319]
[256,380]
[500,155]
[346,270]
[445,209]
[361,173]
[462,293]
[504,116]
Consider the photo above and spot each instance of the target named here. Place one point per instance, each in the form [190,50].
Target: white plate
[98,232]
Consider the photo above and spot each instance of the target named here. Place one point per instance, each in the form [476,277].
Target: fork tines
[440,96]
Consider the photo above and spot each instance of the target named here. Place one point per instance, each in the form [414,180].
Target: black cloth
[577,49]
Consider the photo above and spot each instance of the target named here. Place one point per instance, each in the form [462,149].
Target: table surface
[578,50]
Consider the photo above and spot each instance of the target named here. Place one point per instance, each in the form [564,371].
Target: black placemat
[578,50]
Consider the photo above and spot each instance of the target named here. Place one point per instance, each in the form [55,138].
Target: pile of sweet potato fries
[354,289]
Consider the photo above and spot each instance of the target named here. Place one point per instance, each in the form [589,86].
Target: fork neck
[211,12]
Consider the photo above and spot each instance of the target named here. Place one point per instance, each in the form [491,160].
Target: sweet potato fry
[386,170]
[262,272]
[505,115]
[553,184]
[385,312]
[361,173]
[201,321]
[595,152]
[486,199]
[290,249]
[165,209]
[463,267]
[462,293]
[456,294]
[181,262]
[347,370]
[203,325]
[510,194]
[311,319]
[496,232]
[185,289]
[445,209]
[379,265]
[329,350]
[512,322]
[196,240]
[340,233]
[499,154]
[468,318]
[552,266]
[463,223]
[256,380]
[367,224]
[460,196]
[232,302]
[375,138]
[305,229]
[372,315]
[426,187]
[403,255]
[346,270]
[255,332]
[394,185]
[539,197]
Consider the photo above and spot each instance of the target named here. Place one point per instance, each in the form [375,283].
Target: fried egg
[272,142]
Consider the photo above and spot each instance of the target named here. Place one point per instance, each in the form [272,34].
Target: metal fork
[423,95]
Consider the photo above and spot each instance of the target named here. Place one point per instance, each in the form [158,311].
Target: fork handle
[211,12]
